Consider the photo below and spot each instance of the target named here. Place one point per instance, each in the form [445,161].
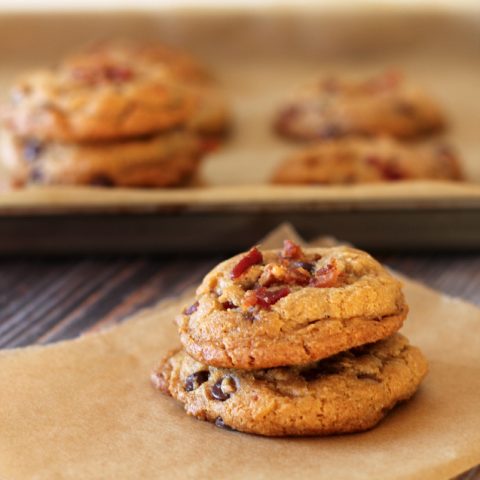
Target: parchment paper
[84,409]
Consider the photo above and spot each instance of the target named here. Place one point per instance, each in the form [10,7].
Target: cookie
[357,160]
[163,160]
[179,63]
[98,101]
[349,392]
[264,309]
[384,104]
[210,116]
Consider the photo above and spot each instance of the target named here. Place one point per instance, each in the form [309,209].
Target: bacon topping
[264,298]
[291,251]
[387,169]
[289,274]
[228,305]
[326,276]
[102,73]
[252,257]
[387,80]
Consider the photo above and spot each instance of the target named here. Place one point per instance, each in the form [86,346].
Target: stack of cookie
[294,342]
[360,130]
[115,114]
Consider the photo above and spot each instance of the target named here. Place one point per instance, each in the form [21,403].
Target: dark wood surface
[44,300]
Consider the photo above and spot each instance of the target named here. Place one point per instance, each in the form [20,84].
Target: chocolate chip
[322,369]
[309,267]
[194,380]
[249,315]
[32,150]
[330,131]
[36,175]
[191,309]
[221,424]
[223,388]
[102,181]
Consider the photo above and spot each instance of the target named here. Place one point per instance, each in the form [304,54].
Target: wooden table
[45,300]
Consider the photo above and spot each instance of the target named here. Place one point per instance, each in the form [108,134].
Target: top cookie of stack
[290,307]
[64,125]
[294,342]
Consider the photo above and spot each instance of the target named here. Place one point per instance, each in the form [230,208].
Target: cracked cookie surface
[269,308]
[335,107]
[349,392]
[362,160]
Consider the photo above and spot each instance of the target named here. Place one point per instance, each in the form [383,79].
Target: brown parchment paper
[84,409]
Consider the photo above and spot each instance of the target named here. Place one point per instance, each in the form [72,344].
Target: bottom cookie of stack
[349,392]
[161,160]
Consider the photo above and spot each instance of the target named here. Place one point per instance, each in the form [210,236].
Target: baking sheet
[85,409]
[258,55]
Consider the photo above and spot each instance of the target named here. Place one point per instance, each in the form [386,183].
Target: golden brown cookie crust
[210,115]
[180,64]
[159,161]
[362,160]
[350,392]
[341,299]
[97,103]
[383,104]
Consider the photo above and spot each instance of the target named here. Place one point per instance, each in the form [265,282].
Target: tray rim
[397,196]
[409,195]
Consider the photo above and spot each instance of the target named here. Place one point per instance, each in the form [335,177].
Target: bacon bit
[327,276]
[289,274]
[252,257]
[387,80]
[388,170]
[103,73]
[264,298]
[228,305]
[291,250]
[272,273]
[191,309]
[210,144]
[330,84]
[297,276]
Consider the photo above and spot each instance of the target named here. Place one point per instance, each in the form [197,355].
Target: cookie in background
[368,160]
[112,115]
[337,106]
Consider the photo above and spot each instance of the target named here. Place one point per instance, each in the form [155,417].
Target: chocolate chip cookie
[349,392]
[98,101]
[210,114]
[163,160]
[357,160]
[384,104]
[264,309]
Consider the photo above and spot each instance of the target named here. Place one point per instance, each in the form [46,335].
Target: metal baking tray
[258,55]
